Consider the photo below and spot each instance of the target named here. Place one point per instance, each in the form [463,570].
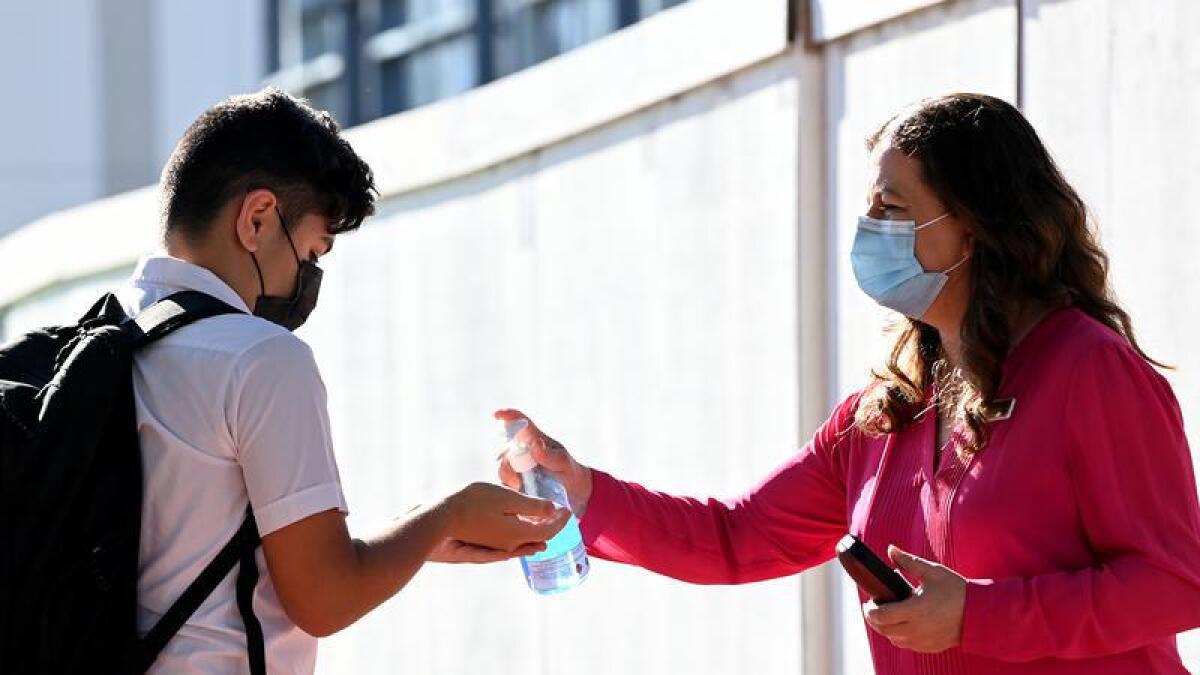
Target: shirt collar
[164,270]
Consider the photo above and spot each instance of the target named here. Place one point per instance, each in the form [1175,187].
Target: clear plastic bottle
[564,563]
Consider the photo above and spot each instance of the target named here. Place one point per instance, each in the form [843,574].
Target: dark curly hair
[1033,245]
[270,140]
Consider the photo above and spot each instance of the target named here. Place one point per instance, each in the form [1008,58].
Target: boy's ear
[257,207]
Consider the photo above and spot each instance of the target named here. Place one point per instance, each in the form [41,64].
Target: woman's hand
[929,621]
[554,458]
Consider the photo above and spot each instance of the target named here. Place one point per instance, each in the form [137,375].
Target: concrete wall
[97,92]
[50,140]
[203,52]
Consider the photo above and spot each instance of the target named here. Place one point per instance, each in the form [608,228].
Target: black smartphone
[876,578]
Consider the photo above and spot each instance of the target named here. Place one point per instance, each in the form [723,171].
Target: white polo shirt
[230,410]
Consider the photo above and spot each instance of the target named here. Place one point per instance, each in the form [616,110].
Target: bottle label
[550,573]
[564,563]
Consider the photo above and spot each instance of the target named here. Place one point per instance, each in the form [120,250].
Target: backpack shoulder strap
[173,312]
[155,322]
[240,548]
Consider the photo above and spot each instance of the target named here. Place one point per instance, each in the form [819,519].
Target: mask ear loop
[262,287]
[932,222]
[935,221]
[295,254]
[958,264]
[287,234]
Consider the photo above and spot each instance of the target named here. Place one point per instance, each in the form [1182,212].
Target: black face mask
[291,313]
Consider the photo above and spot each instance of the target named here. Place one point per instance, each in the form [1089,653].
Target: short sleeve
[279,421]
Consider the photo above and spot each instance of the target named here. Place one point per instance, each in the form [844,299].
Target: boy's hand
[488,516]
[455,551]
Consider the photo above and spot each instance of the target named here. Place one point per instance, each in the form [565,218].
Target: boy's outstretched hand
[488,523]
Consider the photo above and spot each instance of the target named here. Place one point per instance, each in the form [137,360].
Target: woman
[1019,457]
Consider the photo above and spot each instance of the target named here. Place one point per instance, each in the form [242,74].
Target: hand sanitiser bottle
[564,563]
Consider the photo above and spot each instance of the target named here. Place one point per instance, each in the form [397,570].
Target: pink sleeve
[1136,492]
[789,522]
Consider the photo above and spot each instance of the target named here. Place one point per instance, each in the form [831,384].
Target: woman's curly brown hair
[1033,245]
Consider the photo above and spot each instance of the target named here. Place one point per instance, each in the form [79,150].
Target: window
[421,51]
[530,31]
[649,7]
[362,59]
[314,53]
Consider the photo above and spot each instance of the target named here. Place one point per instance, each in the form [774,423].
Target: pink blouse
[1077,527]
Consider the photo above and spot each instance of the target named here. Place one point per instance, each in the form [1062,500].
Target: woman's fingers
[519,532]
[508,476]
[551,454]
[545,450]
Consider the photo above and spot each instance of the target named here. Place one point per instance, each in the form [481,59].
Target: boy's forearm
[389,558]
[386,561]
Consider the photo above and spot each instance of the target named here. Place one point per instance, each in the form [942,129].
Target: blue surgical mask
[885,265]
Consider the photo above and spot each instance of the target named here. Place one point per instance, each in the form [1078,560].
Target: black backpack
[71,499]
